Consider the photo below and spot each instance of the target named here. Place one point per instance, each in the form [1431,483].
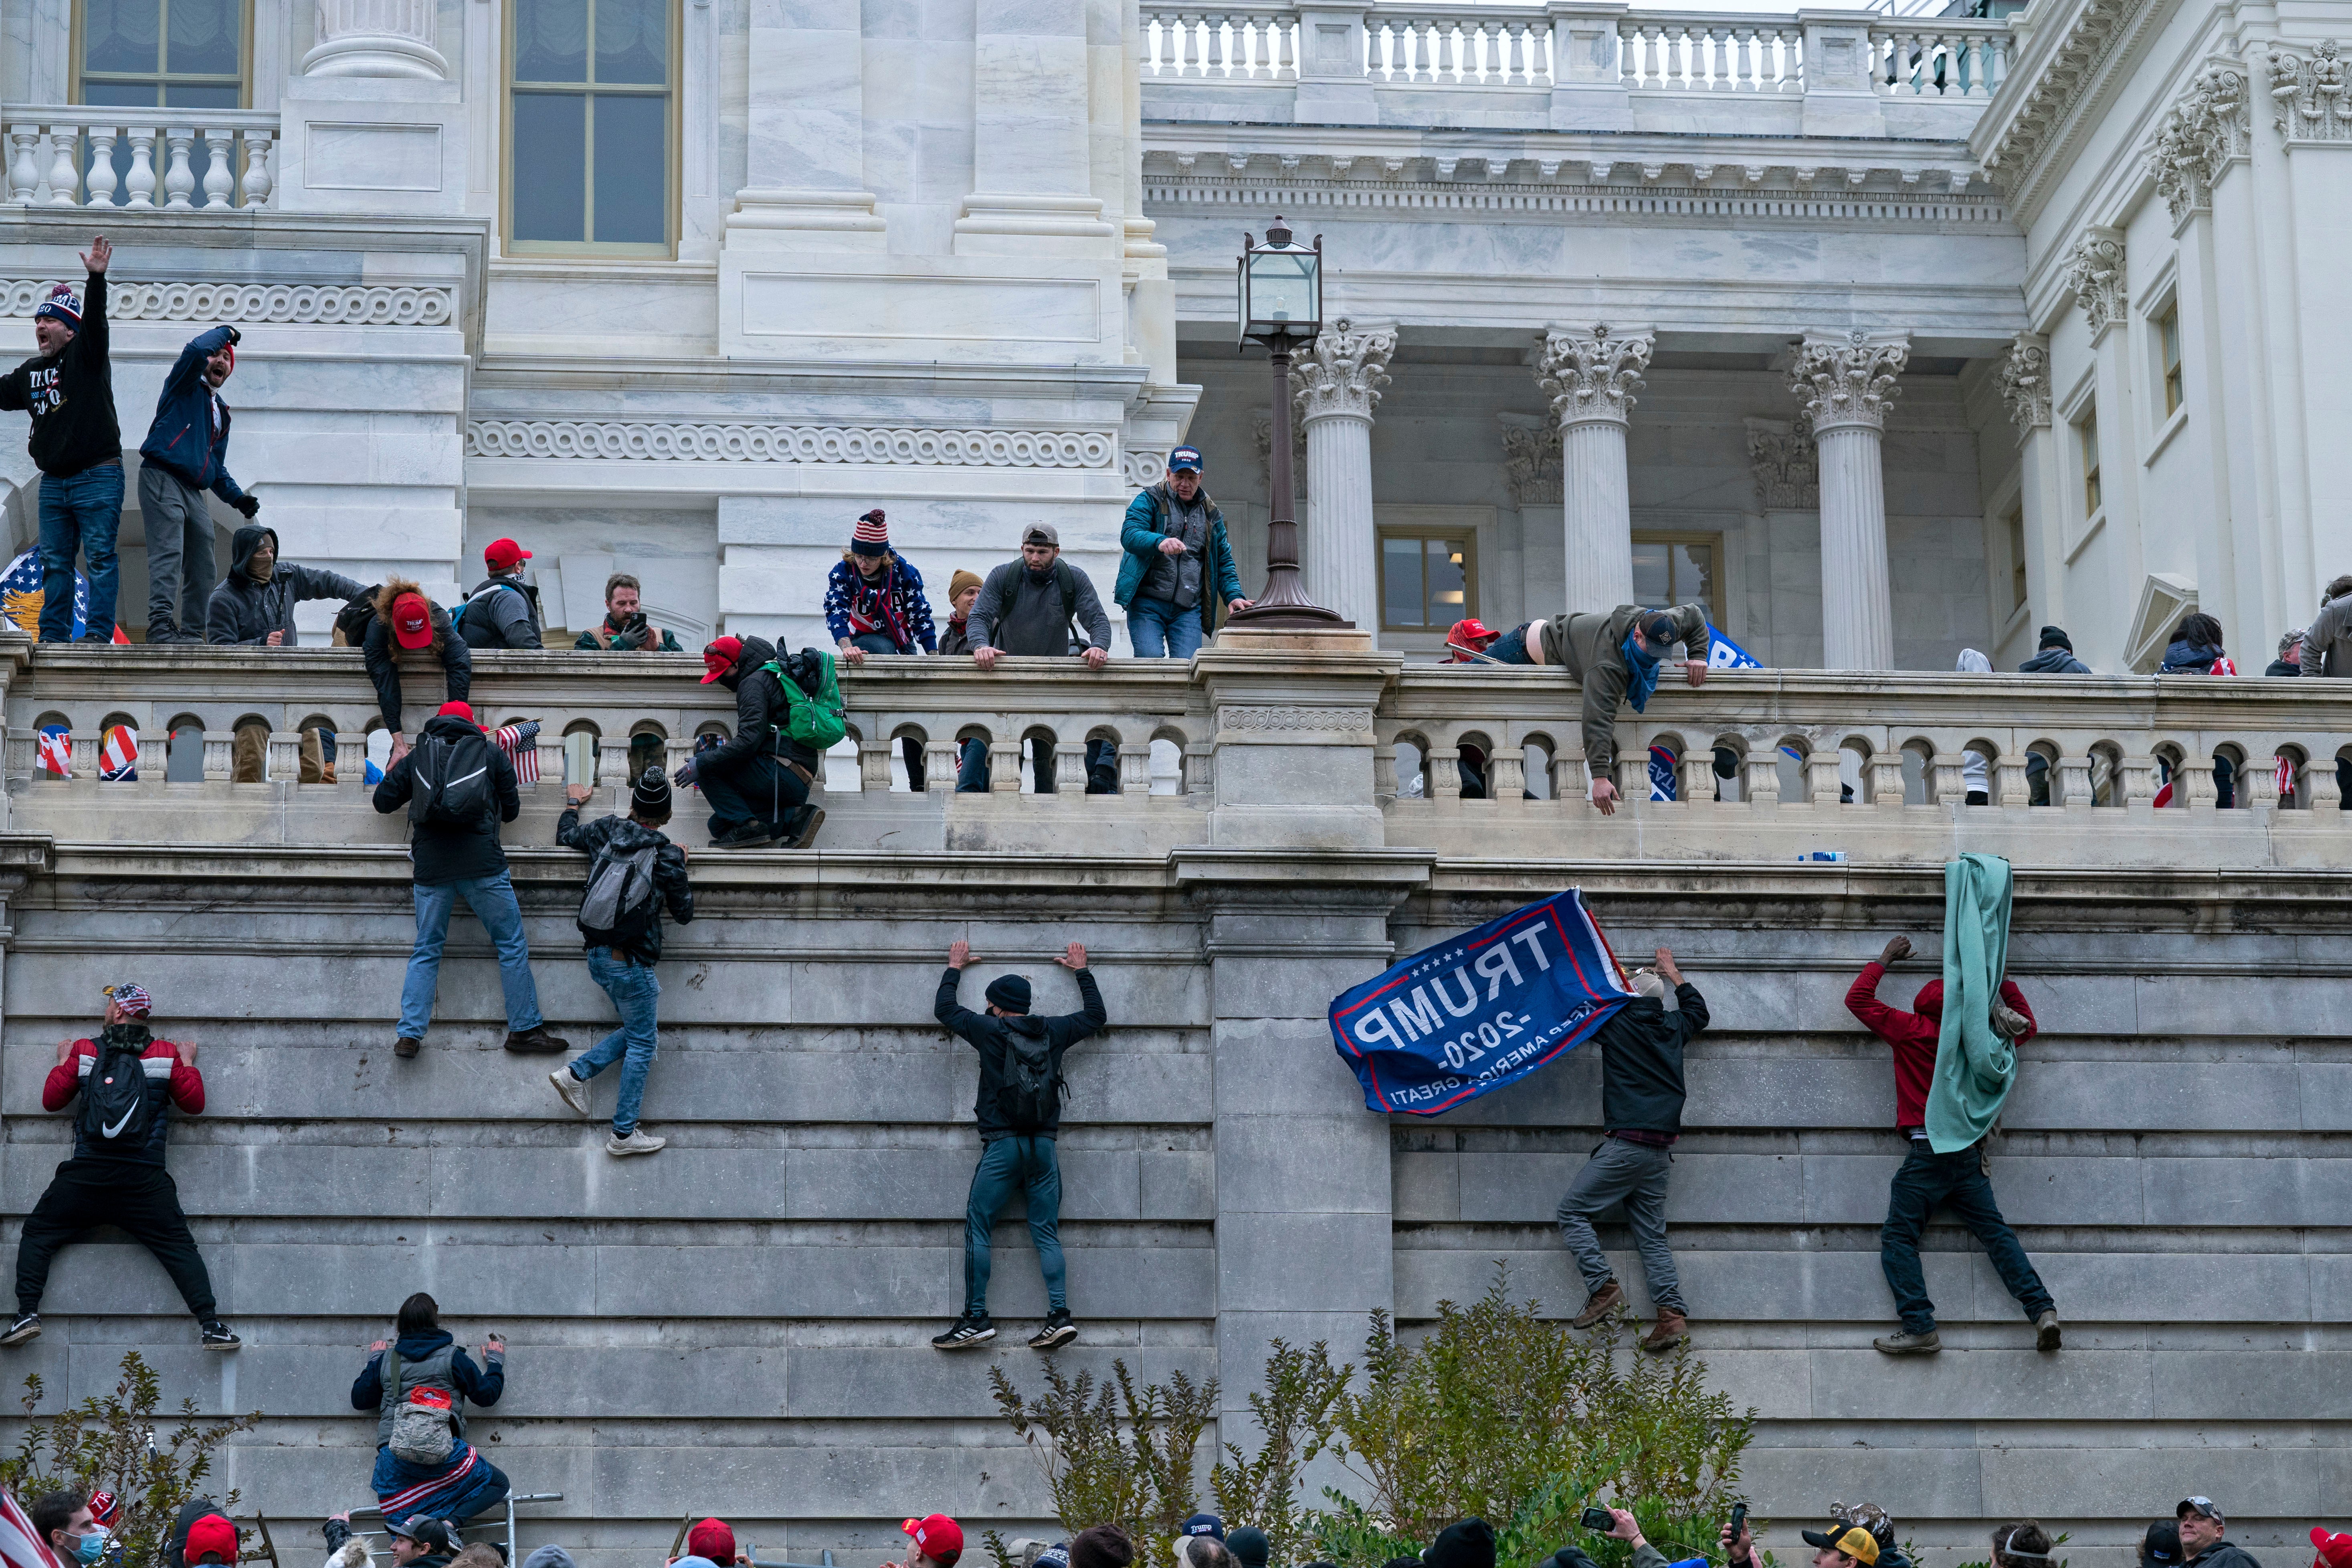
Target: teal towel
[1974,1066]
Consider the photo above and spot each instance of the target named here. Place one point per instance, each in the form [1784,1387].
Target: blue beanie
[1010,992]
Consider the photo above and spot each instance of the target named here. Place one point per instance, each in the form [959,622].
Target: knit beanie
[1249,1546]
[871,538]
[1469,1544]
[1010,992]
[650,793]
[1103,1546]
[2055,637]
[960,582]
[64,304]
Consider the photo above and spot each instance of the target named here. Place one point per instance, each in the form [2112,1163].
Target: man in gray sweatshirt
[1034,607]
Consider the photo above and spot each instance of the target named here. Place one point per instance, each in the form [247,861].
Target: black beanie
[1011,991]
[1469,1544]
[1249,1546]
[650,793]
[2055,637]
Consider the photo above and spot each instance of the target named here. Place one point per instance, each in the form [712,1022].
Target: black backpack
[1032,1093]
[175,1544]
[618,908]
[452,787]
[357,617]
[116,1112]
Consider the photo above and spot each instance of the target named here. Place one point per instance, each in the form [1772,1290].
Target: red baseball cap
[503,553]
[105,1507]
[719,657]
[1468,633]
[713,1540]
[412,621]
[2335,1551]
[937,1537]
[453,710]
[212,1536]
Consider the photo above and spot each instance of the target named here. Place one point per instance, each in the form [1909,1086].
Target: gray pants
[1636,1176]
[179,552]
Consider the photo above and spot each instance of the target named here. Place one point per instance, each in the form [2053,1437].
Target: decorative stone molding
[1342,372]
[1531,459]
[1348,721]
[1850,381]
[1913,195]
[1261,432]
[791,444]
[1592,375]
[328,304]
[2094,276]
[1142,470]
[2090,38]
[2025,383]
[1786,463]
[2307,95]
[376,37]
[2211,124]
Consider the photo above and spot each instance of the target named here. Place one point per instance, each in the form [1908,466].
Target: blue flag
[1479,1011]
[1722,653]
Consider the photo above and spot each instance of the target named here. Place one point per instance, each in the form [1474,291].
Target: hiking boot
[575,1092]
[638,1142]
[2045,1330]
[405,1046]
[1059,1332]
[218,1336]
[1908,1344]
[1599,1305]
[807,834]
[965,1332]
[749,836]
[536,1041]
[1671,1329]
[27,1326]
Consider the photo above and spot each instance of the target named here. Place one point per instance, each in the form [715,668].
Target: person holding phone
[1618,1524]
[625,629]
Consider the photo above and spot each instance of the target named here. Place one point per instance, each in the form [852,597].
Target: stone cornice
[1827,198]
[324,304]
[2039,110]
[674,440]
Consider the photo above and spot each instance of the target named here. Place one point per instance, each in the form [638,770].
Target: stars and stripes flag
[117,755]
[57,751]
[2286,781]
[21,1545]
[520,744]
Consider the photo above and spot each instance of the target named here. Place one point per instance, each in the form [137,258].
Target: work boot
[1602,1302]
[406,1046]
[2045,1330]
[536,1041]
[1671,1329]
[1908,1344]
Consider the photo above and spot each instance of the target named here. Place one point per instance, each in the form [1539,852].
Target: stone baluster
[2138,786]
[1335,386]
[1885,772]
[283,760]
[1761,779]
[1070,766]
[874,755]
[2197,773]
[551,759]
[257,178]
[101,177]
[65,181]
[24,175]
[2073,791]
[1846,385]
[220,175]
[1507,774]
[1822,776]
[1695,783]
[1567,780]
[1005,765]
[612,761]
[1135,769]
[1593,376]
[1948,780]
[179,179]
[2320,790]
[2258,783]
[1200,776]
[1441,773]
[219,763]
[140,184]
[940,759]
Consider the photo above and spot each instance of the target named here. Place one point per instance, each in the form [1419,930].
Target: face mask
[92,1547]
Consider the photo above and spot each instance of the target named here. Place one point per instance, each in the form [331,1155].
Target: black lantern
[1278,289]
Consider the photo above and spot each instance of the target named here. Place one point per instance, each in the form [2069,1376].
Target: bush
[1114,1454]
[1294,1417]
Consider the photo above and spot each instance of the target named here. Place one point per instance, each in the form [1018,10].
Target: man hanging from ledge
[1615,656]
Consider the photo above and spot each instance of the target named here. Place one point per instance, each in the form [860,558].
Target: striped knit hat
[64,304]
[871,538]
[131,999]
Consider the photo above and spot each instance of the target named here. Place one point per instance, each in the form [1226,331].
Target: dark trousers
[908,747]
[179,553]
[141,1200]
[1102,768]
[1027,1164]
[1958,1180]
[762,790]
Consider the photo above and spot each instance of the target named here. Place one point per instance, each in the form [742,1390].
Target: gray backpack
[424,1424]
[619,904]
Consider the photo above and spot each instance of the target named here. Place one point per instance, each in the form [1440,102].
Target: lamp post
[1279,288]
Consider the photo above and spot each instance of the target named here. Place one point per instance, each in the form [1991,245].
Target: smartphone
[1738,1519]
[1598,1521]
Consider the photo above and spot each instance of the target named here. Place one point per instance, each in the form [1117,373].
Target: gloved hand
[684,777]
[234,337]
[631,641]
[247,505]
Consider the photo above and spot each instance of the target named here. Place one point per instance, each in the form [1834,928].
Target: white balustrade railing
[1223,42]
[175,160]
[1459,45]
[1723,53]
[1938,56]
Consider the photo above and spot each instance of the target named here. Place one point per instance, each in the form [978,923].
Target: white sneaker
[575,1092]
[636,1143]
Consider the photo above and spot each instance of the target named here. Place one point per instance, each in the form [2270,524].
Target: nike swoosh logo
[116,1129]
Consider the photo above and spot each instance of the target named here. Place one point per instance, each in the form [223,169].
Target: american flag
[520,744]
[118,756]
[21,1545]
[2286,781]
[57,751]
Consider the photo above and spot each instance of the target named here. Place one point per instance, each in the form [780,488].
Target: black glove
[630,640]
[247,505]
[233,335]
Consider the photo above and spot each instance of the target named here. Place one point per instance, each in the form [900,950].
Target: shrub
[1294,1414]
[1114,1454]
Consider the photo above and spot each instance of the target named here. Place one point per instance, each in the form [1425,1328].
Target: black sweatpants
[141,1199]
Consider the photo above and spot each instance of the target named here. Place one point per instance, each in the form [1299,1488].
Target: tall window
[1677,569]
[1428,581]
[2086,436]
[161,54]
[2167,353]
[2017,556]
[589,148]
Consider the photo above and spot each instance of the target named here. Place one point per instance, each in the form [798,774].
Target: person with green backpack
[788,710]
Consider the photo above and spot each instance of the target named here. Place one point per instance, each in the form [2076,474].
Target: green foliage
[1294,1418]
[110,1443]
[1115,1454]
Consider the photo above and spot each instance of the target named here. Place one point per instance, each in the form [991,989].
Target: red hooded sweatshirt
[1912,1036]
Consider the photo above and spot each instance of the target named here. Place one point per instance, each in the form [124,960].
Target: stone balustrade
[176,160]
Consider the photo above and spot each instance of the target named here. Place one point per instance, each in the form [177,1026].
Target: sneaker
[575,1092]
[1599,1305]
[406,1048]
[637,1142]
[1910,1344]
[536,1041]
[1059,1332]
[26,1327]
[749,836]
[2045,1330]
[807,834]
[964,1333]
[218,1336]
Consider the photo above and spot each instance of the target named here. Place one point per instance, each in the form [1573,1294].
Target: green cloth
[1974,1067]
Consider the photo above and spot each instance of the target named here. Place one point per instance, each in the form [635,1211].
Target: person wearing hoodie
[404,622]
[76,442]
[185,455]
[1927,1178]
[620,957]
[550,1556]
[1641,1094]
[1019,1108]
[254,606]
[423,1355]
[1976,768]
[1615,658]
[758,780]
[502,610]
[2196,649]
[456,859]
[2053,655]
[2327,641]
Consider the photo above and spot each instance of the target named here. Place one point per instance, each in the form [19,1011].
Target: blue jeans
[492,900]
[1031,1165]
[635,995]
[1102,769]
[1511,648]
[1160,630]
[1926,1180]
[81,513]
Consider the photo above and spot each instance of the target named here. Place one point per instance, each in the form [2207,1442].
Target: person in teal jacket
[1178,565]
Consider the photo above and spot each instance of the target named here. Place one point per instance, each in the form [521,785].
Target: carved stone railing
[173,160]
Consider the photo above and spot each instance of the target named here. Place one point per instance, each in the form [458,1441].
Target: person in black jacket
[624,965]
[405,621]
[254,606]
[185,455]
[757,782]
[463,861]
[1017,1141]
[76,442]
[1641,1117]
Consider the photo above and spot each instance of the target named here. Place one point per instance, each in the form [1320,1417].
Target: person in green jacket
[1616,657]
[1178,565]
[623,628]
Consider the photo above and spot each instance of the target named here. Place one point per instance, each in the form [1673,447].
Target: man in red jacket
[116,1175]
[1928,1178]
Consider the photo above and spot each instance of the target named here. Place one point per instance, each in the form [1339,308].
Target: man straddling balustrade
[185,455]
[1615,658]
[68,389]
[759,779]
[400,619]
[874,604]
[1178,566]
[1034,607]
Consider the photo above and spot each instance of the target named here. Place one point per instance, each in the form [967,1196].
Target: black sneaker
[218,1336]
[804,835]
[964,1333]
[26,1327]
[750,836]
[1059,1332]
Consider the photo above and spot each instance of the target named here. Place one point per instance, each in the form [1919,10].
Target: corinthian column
[1846,383]
[1335,384]
[1592,378]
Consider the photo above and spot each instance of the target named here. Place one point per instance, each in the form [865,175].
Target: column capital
[2094,276]
[2210,123]
[1846,380]
[1592,373]
[2025,383]
[1342,370]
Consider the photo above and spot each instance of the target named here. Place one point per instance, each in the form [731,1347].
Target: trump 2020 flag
[1480,1011]
[1722,653]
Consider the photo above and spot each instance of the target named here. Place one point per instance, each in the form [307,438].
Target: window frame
[2090,465]
[1464,534]
[1714,544]
[2021,586]
[2169,373]
[673,89]
[76,75]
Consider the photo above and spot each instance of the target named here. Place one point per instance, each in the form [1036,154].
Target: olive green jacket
[1592,648]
